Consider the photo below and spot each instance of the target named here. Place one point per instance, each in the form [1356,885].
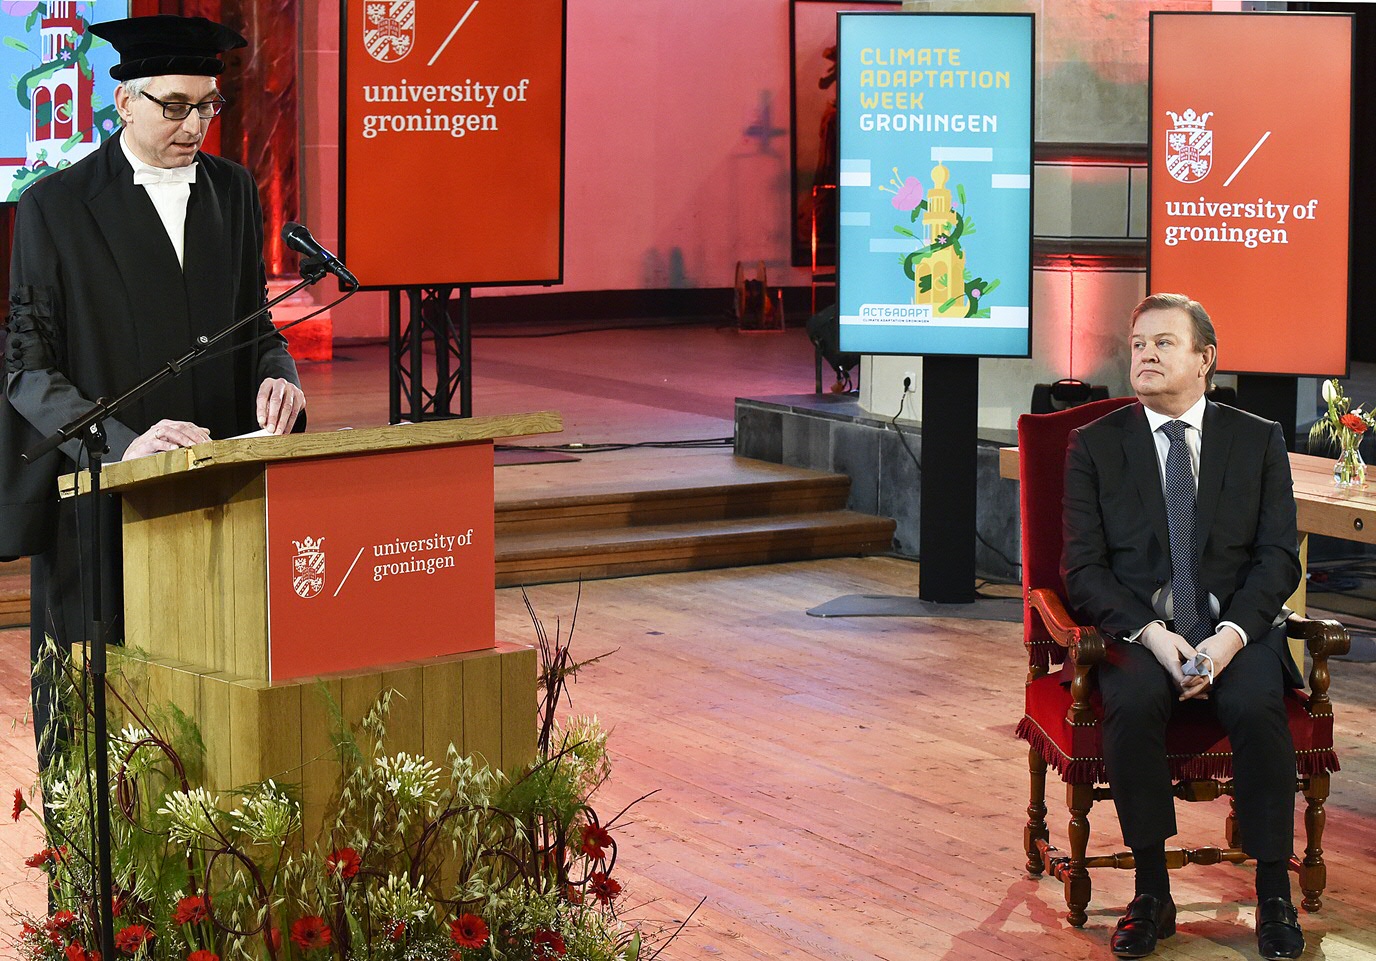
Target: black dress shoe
[1148,920]
[1278,930]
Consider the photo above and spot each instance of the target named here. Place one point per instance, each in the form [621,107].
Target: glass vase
[1349,470]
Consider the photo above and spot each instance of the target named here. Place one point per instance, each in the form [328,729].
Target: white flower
[192,815]
[1330,391]
[399,898]
[268,814]
[410,780]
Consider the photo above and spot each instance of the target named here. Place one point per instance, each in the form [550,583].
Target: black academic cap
[161,45]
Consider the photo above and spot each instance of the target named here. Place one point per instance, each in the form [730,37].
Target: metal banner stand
[429,318]
[1275,398]
[946,582]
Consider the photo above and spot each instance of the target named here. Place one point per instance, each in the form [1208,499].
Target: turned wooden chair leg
[1079,799]
[1036,830]
[1313,871]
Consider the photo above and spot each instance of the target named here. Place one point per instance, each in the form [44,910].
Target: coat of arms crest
[308,567]
[1189,146]
[389,29]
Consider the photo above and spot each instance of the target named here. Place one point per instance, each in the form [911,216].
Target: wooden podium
[360,560]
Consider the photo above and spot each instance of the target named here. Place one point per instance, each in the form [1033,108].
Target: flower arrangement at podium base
[444,860]
[1344,427]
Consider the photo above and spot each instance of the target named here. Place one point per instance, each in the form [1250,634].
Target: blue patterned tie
[1190,623]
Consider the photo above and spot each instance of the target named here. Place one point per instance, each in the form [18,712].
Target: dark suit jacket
[1116,547]
[98,302]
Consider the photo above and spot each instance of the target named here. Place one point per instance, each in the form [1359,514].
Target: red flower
[344,862]
[203,955]
[117,906]
[469,931]
[603,888]
[76,952]
[18,803]
[398,931]
[60,921]
[56,925]
[596,840]
[548,945]
[273,936]
[46,856]
[573,894]
[129,939]
[1351,421]
[311,932]
[190,910]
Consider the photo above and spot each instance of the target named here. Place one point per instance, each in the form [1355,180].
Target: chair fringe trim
[1045,654]
[1088,770]
[1308,763]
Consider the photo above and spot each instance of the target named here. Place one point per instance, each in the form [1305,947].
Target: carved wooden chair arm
[1085,644]
[1323,639]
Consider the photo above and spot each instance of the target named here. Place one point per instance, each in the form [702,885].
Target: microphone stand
[91,427]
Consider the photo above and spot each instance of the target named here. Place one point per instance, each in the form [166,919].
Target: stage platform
[589,512]
[882,457]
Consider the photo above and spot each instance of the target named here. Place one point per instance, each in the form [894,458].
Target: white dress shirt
[1194,420]
[169,198]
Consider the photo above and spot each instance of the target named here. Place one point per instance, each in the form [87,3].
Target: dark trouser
[59,603]
[1249,701]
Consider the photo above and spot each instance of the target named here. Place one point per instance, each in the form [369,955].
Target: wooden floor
[834,789]
[847,788]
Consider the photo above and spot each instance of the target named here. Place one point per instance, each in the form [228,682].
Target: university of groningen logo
[389,29]
[1189,146]
[308,567]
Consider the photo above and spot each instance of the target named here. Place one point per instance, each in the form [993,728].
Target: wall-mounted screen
[935,219]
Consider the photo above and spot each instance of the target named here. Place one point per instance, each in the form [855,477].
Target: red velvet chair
[1062,713]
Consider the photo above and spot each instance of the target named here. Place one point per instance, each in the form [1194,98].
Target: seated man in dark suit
[1180,545]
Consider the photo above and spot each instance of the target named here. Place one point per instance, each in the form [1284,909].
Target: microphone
[299,239]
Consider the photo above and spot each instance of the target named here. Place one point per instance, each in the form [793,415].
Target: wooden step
[649,515]
[546,557]
[764,495]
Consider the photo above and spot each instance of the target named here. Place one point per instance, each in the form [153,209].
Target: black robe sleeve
[38,398]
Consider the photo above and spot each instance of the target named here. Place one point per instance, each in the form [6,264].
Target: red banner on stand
[451,142]
[1250,182]
[377,560]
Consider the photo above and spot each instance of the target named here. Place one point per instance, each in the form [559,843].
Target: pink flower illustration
[909,195]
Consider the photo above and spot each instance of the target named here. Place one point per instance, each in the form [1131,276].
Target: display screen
[60,105]
[452,133]
[1250,182]
[935,220]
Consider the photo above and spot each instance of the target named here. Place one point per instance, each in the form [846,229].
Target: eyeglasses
[180,110]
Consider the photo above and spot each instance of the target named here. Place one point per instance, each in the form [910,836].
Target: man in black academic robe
[103,294]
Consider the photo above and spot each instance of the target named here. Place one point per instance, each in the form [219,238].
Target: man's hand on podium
[166,435]
[279,403]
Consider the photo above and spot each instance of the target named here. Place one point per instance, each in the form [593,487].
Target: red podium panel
[378,559]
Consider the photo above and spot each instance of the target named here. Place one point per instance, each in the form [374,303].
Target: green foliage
[413,845]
